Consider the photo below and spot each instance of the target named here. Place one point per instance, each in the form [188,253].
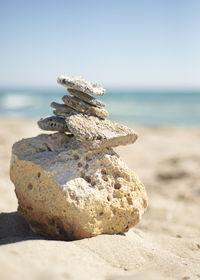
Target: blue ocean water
[127,106]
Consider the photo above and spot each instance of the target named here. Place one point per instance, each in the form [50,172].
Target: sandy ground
[164,245]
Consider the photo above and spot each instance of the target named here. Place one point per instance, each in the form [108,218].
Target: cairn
[84,116]
[71,184]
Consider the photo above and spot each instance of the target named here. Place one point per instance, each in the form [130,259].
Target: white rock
[99,133]
[67,192]
[78,83]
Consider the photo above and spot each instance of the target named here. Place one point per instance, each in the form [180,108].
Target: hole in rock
[88,179]
[105,178]
[48,148]
[101,213]
[30,186]
[117,186]
[103,171]
[79,164]
[87,158]
[114,211]
[130,201]
[76,156]
[38,174]
[117,175]
[108,198]
[86,166]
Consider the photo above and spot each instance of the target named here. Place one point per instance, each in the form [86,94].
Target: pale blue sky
[132,43]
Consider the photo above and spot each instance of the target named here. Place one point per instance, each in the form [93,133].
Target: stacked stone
[71,184]
[84,116]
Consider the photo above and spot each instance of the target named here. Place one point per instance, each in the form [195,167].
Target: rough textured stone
[53,123]
[67,192]
[78,83]
[87,98]
[95,132]
[60,113]
[81,106]
[61,108]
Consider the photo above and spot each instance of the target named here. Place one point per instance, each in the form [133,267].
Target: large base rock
[67,192]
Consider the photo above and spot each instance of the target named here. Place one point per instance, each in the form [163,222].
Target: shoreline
[18,119]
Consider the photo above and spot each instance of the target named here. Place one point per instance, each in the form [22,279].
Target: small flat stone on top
[86,97]
[78,83]
[82,107]
[97,133]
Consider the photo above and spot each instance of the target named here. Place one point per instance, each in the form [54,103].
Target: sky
[127,43]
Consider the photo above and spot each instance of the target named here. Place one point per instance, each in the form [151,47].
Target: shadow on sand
[14,228]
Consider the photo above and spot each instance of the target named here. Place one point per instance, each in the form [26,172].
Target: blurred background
[145,53]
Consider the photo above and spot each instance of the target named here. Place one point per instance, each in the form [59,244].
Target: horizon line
[108,87]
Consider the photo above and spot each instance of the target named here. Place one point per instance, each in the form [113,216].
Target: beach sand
[164,245]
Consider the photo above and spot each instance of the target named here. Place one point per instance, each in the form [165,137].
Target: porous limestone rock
[68,192]
[82,107]
[78,83]
[86,97]
[97,133]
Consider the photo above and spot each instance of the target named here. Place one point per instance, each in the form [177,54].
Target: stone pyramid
[85,117]
[71,184]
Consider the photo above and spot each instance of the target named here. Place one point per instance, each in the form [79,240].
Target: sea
[130,106]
